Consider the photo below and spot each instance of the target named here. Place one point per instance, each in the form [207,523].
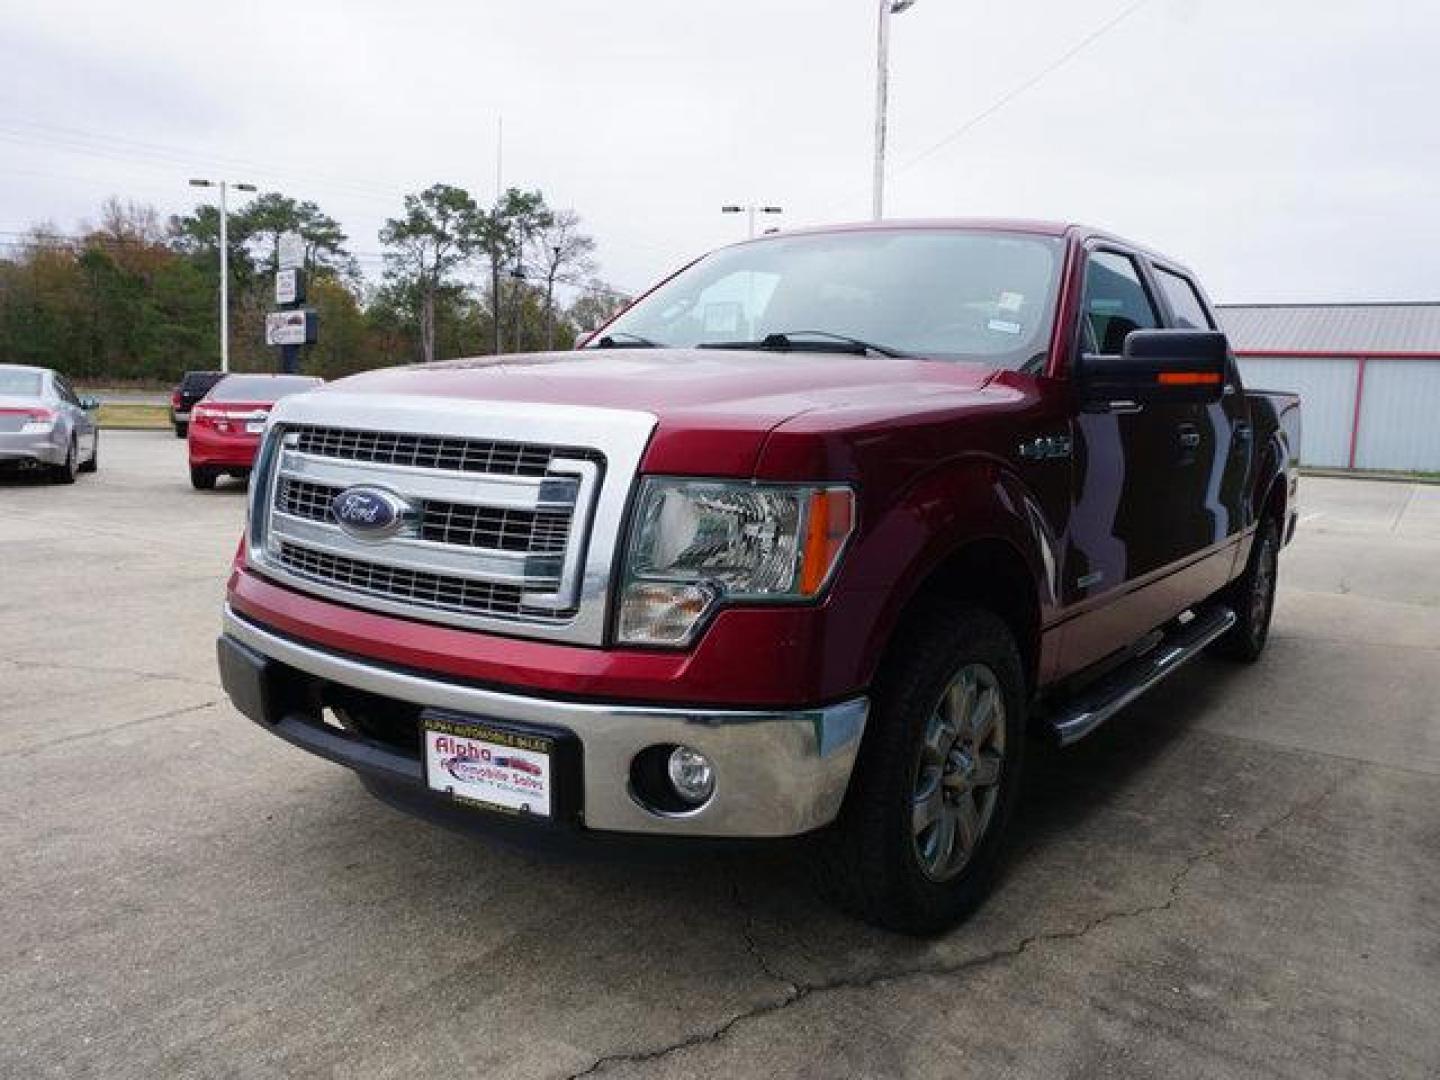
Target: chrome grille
[482,528]
[489,515]
[429,451]
[439,591]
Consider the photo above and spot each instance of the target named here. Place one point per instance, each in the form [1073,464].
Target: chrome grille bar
[431,451]
[416,587]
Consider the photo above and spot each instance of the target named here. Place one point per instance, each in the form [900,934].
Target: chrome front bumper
[778,772]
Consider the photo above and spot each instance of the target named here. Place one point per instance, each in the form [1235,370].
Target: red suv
[226,425]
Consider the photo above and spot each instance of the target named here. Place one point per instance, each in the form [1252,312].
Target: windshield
[951,294]
[20,383]
[261,387]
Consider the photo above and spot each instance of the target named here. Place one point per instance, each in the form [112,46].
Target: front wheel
[202,479]
[181,429]
[924,824]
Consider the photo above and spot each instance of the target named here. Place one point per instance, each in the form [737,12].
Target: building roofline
[1336,354]
[1332,304]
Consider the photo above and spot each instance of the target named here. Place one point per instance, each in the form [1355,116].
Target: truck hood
[714,408]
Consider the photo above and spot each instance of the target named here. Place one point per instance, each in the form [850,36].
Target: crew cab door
[1220,503]
[1139,477]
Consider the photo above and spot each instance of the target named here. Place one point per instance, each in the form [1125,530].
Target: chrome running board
[1102,700]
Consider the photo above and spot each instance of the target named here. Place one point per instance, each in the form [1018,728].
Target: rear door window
[1186,309]
[1116,301]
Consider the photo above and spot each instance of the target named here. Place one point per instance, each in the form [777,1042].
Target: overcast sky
[1285,149]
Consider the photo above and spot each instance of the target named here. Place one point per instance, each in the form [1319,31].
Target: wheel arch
[982,540]
[988,572]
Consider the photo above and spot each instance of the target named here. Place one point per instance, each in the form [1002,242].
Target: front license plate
[490,767]
[255,427]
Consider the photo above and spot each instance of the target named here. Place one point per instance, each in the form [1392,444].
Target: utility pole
[224,264]
[882,91]
[517,276]
[499,159]
[550,298]
[751,211]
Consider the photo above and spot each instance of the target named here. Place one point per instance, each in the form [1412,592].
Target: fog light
[691,774]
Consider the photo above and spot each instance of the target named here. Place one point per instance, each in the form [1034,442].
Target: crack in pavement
[798,992]
[30,751]
[94,669]
[747,930]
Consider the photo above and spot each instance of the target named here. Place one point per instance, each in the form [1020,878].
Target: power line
[1005,99]
[1010,95]
[137,152]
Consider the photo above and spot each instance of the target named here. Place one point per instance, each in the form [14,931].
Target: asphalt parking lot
[1239,876]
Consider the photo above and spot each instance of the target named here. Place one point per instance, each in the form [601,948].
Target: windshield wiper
[784,341]
[632,341]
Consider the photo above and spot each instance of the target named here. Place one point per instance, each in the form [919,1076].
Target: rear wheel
[202,479]
[92,464]
[924,824]
[65,474]
[1252,597]
[181,429]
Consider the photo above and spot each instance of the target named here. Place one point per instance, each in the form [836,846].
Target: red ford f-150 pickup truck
[807,540]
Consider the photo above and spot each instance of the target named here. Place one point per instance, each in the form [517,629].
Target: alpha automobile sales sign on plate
[475,763]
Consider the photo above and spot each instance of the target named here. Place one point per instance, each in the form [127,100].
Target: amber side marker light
[828,524]
[1188,378]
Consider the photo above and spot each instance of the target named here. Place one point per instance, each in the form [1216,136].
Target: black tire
[1252,597]
[93,463]
[872,862]
[202,479]
[181,430]
[65,474]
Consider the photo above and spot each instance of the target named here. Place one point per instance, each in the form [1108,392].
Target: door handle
[1189,436]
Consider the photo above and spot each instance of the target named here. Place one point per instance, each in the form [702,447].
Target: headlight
[697,544]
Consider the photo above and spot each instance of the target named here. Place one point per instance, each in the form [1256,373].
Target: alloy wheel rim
[1264,586]
[957,776]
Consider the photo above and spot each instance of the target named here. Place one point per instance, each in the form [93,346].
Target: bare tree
[563,253]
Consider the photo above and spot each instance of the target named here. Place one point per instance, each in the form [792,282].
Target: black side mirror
[1156,365]
[89,404]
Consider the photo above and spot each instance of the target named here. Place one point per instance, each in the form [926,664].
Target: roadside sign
[289,286]
[292,250]
[291,328]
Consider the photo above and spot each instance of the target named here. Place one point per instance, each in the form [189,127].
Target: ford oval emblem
[368,512]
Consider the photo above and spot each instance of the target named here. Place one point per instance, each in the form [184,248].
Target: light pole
[752,211]
[223,185]
[882,88]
